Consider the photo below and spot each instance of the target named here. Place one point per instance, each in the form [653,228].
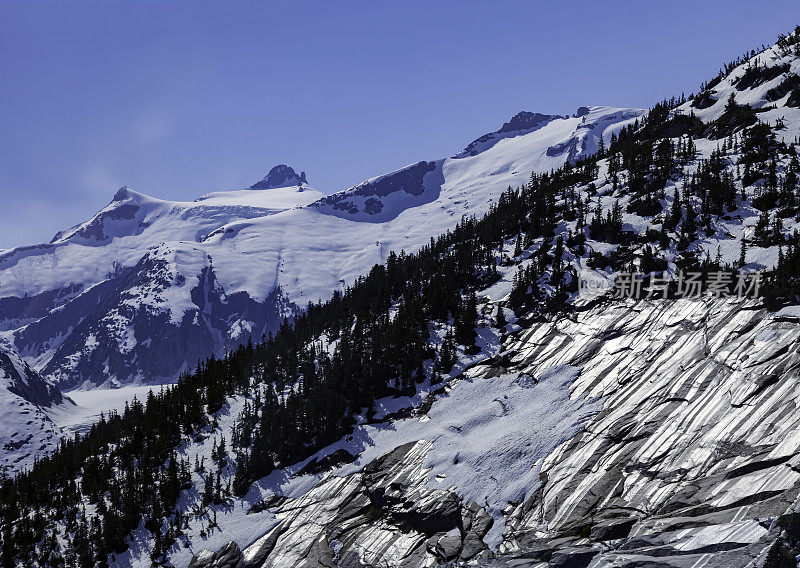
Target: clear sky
[176,99]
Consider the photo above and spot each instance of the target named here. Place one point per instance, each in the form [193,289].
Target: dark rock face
[16,312]
[404,502]
[117,331]
[123,216]
[281,176]
[383,198]
[337,458]
[122,194]
[94,231]
[229,556]
[521,123]
[408,180]
[526,121]
[611,529]
[27,383]
[25,398]
[569,147]
[572,558]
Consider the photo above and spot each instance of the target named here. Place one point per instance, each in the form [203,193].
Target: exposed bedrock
[692,460]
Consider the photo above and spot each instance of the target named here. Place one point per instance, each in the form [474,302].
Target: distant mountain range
[146,287]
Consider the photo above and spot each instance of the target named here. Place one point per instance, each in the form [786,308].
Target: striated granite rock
[229,556]
[696,449]
[382,516]
[694,459]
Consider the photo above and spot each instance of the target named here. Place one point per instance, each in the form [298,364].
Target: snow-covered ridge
[518,142]
[92,305]
[521,123]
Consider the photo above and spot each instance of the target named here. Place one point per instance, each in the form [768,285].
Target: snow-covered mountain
[146,287]
[651,433]
[25,428]
[599,432]
[119,305]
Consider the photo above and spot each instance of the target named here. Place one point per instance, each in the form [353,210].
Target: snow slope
[85,406]
[337,246]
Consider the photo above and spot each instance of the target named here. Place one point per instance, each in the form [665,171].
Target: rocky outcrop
[523,122]
[692,460]
[281,176]
[695,452]
[136,332]
[383,198]
[229,556]
[20,379]
[25,430]
[382,516]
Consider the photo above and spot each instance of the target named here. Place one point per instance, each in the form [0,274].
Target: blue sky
[176,99]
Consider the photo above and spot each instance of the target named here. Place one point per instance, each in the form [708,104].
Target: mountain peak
[526,120]
[122,193]
[281,176]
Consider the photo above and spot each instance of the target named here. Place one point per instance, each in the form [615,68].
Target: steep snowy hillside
[606,432]
[537,386]
[147,287]
[25,428]
[683,424]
